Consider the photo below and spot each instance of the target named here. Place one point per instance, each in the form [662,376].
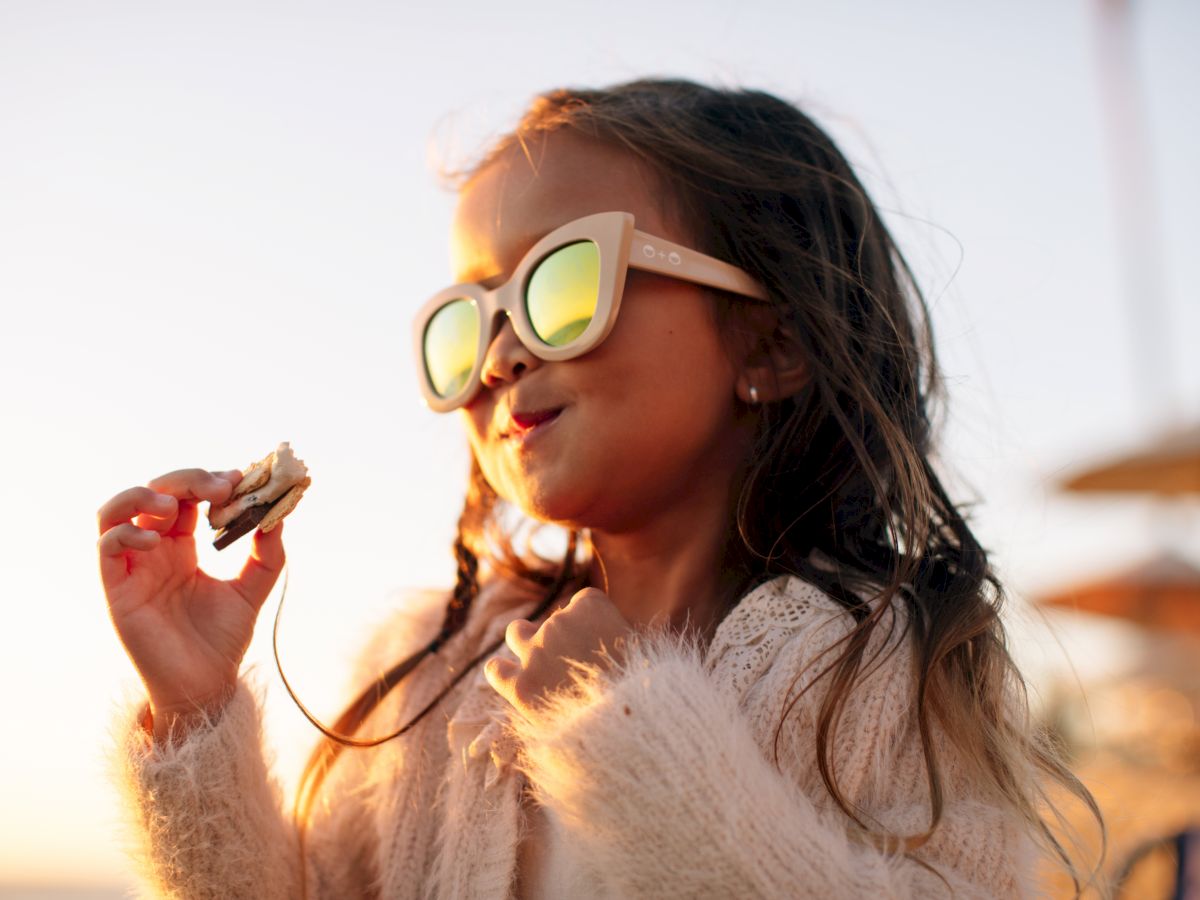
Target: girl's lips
[527,421]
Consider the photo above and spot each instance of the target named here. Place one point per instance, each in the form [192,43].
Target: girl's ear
[775,366]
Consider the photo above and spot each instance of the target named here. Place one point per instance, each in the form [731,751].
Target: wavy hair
[843,467]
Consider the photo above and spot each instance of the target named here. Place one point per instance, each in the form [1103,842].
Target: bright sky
[217,219]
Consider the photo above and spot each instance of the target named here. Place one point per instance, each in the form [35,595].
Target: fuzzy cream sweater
[657,779]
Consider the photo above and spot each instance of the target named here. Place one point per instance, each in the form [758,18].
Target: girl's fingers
[182,522]
[194,484]
[116,543]
[501,675]
[126,537]
[518,635]
[168,503]
[127,504]
[262,569]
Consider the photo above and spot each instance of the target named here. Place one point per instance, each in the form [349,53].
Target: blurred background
[217,219]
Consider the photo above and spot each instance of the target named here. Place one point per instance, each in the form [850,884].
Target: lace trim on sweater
[751,636]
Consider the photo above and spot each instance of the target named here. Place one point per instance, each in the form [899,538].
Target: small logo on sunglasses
[649,252]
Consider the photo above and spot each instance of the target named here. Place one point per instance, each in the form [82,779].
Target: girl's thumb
[262,569]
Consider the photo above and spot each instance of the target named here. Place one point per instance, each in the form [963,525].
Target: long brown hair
[843,467]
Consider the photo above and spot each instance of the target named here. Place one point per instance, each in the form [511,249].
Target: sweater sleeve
[205,818]
[662,782]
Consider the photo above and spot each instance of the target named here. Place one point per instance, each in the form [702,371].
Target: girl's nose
[507,359]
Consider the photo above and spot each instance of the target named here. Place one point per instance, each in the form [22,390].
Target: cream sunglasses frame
[621,246]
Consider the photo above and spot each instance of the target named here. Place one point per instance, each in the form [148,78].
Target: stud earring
[753,395]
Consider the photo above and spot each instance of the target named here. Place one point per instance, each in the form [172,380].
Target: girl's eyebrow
[474,276]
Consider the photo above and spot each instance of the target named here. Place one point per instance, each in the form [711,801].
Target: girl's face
[645,419]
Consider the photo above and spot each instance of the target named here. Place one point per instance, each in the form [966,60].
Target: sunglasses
[562,300]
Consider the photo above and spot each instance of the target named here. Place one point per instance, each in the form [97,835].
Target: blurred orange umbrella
[1169,464]
[1163,592]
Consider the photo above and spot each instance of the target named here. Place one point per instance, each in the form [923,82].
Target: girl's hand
[185,631]
[578,631]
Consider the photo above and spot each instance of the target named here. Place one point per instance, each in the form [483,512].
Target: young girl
[770,662]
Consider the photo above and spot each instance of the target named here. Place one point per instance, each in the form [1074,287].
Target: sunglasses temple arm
[655,254]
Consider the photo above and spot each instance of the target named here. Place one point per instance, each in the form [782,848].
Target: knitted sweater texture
[660,777]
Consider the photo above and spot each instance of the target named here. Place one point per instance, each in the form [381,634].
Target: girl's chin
[553,505]
[551,512]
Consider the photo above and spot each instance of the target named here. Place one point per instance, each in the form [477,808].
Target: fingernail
[163,499]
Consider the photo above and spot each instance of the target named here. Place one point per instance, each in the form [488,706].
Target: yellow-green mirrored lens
[563,291]
[451,343]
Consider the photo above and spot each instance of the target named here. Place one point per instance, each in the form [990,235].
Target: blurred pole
[1138,235]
